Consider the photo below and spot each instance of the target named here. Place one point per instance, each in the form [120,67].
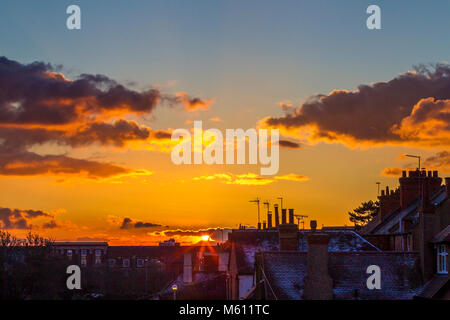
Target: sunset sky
[86,115]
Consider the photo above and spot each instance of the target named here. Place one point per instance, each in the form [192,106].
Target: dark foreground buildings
[406,243]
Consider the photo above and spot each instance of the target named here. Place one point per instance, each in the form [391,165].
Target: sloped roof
[443,236]
[285,272]
[341,240]
[382,227]
[434,285]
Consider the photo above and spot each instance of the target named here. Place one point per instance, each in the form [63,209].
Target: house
[247,244]
[415,218]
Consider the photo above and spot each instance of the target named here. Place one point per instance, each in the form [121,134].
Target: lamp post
[174,290]
[413,156]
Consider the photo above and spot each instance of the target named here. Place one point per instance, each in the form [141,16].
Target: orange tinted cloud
[250,179]
[292,177]
[380,113]
[192,104]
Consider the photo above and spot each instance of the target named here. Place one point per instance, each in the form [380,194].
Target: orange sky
[99,171]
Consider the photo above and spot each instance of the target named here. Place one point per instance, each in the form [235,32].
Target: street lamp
[174,290]
[413,156]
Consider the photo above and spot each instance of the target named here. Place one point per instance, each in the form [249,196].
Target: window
[111,262]
[83,252]
[83,261]
[98,253]
[126,263]
[442,259]
[69,253]
[139,263]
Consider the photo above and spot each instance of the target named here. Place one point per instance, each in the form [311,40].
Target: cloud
[391,172]
[40,105]
[429,123]
[286,106]
[441,160]
[249,179]
[19,219]
[218,233]
[380,113]
[289,144]
[192,104]
[50,225]
[25,163]
[438,161]
[128,223]
[292,177]
[215,119]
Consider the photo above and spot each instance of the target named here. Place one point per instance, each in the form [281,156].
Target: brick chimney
[277,215]
[410,185]
[388,202]
[317,281]
[283,216]
[269,220]
[291,216]
[264,225]
[288,237]
[427,229]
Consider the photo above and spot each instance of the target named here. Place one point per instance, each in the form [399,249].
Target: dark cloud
[128,223]
[439,160]
[373,113]
[35,94]
[50,225]
[25,163]
[214,233]
[19,219]
[289,144]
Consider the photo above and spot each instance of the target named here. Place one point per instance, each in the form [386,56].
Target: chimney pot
[317,281]
[277,216]
[404,173]
[283,216]
[269,220]
[313,225]
[264,225]
[288,237]
[291,216]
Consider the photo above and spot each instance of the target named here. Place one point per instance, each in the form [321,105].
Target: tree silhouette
[361,215]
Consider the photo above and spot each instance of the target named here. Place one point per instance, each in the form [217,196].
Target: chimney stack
[410,185]
[427,229]
[269,220]
[288,237]
[318,283]
[291,216]
[264,225]
[259,225]
[283,216]
[388,202]
[277,216]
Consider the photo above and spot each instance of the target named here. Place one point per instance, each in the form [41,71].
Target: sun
[206,238]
